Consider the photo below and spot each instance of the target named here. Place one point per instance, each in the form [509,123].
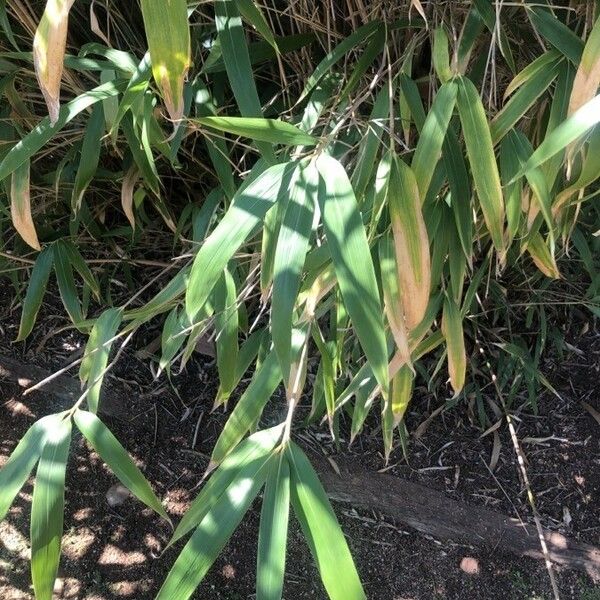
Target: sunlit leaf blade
[210,537]
[351,257]
[49,46]
[226,328]
[17,468]
[429,146]
[272,535]
[290,253]
[97,349]
[247,461]
[452,329]
[247,210]
[44,130]
[322,530]
[401,392]
[248,408]
[47,508]
[274,131]
[35,291]
[410,241]
[587,78]
[234,49]
[118,460]
[20,206]
[568,131]
[168,34]
[482,160]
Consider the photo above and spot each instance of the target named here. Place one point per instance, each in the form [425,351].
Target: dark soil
[116,552]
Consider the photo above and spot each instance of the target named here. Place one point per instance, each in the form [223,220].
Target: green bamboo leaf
[226,329]
[351,257]
[272,535]
[47,509]
[452,330]
[81,267]
[546,60]
[579,123]
[44,131]
[246,462]
[252,14]
[66,283]
[290,254]
[523,99]
[429,146]
[273,131]
[441,58]
[248,409]
[247,210]
[95,357]
[491,19]
[210,537]
[483,162]
[35,291]
[556,33]
[322,530]
[116,457]
[237,63]
[367,151]
[168,34]
[345,46]
[90,155]
[23,458]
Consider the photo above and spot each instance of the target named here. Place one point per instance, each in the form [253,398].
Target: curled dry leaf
[49,46]
[127,187]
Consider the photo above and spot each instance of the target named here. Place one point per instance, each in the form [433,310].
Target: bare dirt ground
[112,553]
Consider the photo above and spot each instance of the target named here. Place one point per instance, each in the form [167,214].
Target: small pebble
[116,495]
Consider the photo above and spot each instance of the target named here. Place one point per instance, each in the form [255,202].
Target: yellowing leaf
[401,392]
[49,46]
[455,343]
[168,33]
[20,205]
[410,241]
[542,257]
[587,78]
[129,180]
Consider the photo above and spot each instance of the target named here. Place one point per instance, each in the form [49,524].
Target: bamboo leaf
[35,291]
[95,357]
[290,254]
[273,131]
[272,535]
[483,162]
[20,206]
[248,409]
[322,530]
[246,462]
[411,242]
[452,330]
[116,457]
[579,123]
[66,283]
[168,34]
[253,15]
[429,146]
[247,210]
[90,155]
[542,256]
[351,257]
[44,130]
[47,508]
[23,458]
[587,78]
[401,392]
[49,45]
